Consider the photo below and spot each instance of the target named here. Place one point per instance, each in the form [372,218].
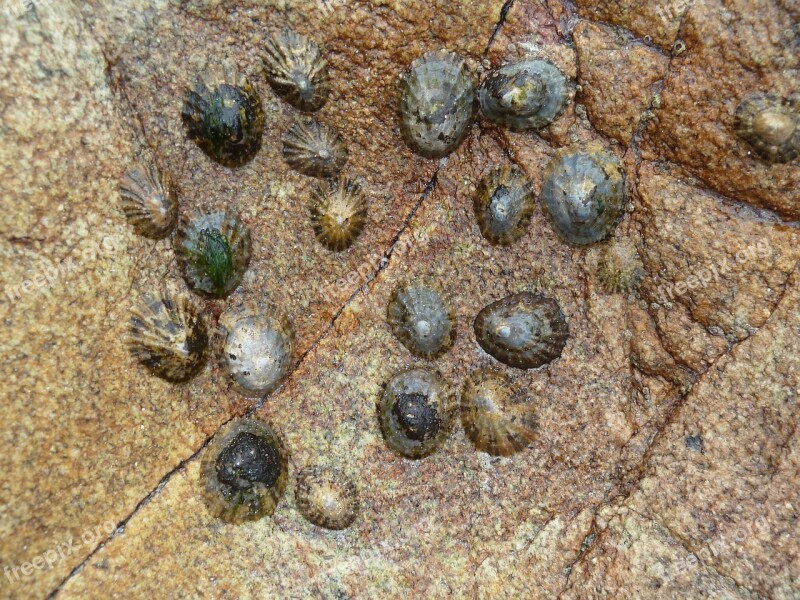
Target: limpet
[421,318]
[503,204]
[496,416]
[168,335]
[326,497]
[297,70]
[619,268]
[224,116]
[213,251]
[584,194]
[522,330]
[244,471]
[416,412]
[437,99]
[338,212]
[314,149]
[771,125]
[526,95]
[258,347]
[149,202]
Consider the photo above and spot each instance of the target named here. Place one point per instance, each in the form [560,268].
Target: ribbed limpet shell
[244,471]
[496,416]
[771,125]
[421,318]
[326,497]
[522,330]
[149,202]
[526,95]
[416,412]
[213,251]
[437,99]
[297,70]
[314,149]
[169,336]
[619,268]
[258,347]
[224,116]
[584,194]
[504,203]
[338,212]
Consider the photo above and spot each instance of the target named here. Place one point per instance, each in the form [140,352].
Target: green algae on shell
[213,251]
[224,116]
[297,70]
[422,319]
[149,202]
[326,497]
[504,203]
[771,125]
[338,212]
[314,149]
[243,473]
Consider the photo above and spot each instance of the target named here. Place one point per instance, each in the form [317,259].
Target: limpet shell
[326,497]
[771,125]
[421,318]
[258,347]
[314,149]
[149,202]
[244,471]
[213,251]
[584,194]
[504,203]
[496,416]
[522,330]
[169,336]
[224,116]
[526,95]
[620,268]
[437,99]
[338,212]
[297,70]
[416,412]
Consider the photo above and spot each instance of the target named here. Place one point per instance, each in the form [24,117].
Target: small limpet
[496,416]
[503,204]
[584,194]
[326,497]
[416,412]
[522,330]
[421,318]
[213,251]
[526,95]
[297,70]
[619,268]
[314,149]
[437,99]
[338,212]
[244,471]
[771,125]
[149,202]
[258,347]
[168,335]
[224,116]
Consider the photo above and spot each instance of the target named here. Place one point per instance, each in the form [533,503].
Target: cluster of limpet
[297,70]
[771,125]
[258,347]
[224,116]
[213,251]
[338,212]
[620,268]
[314,149]
[244,471]
[421,318]
[149,202]
[504,203]
[326,497]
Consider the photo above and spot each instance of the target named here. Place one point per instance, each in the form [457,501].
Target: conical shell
[326,497]
[314,149]
[421,318]
[771,125]
[149,202]
[504,203]
[297,70]
[338,213]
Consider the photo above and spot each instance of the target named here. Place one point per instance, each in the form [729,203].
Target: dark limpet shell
[437,99]
[771,125]
[619,267]
[224,116]
[169,336]
[326,497]
[314,149]
[422,319]
[149,202]
[527,95]
[258,347]
[584,194]
[496,416]
[338,213]
[416,412]
[522,330]
[244,471]
[297,70]
[213,251]
[504,203]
